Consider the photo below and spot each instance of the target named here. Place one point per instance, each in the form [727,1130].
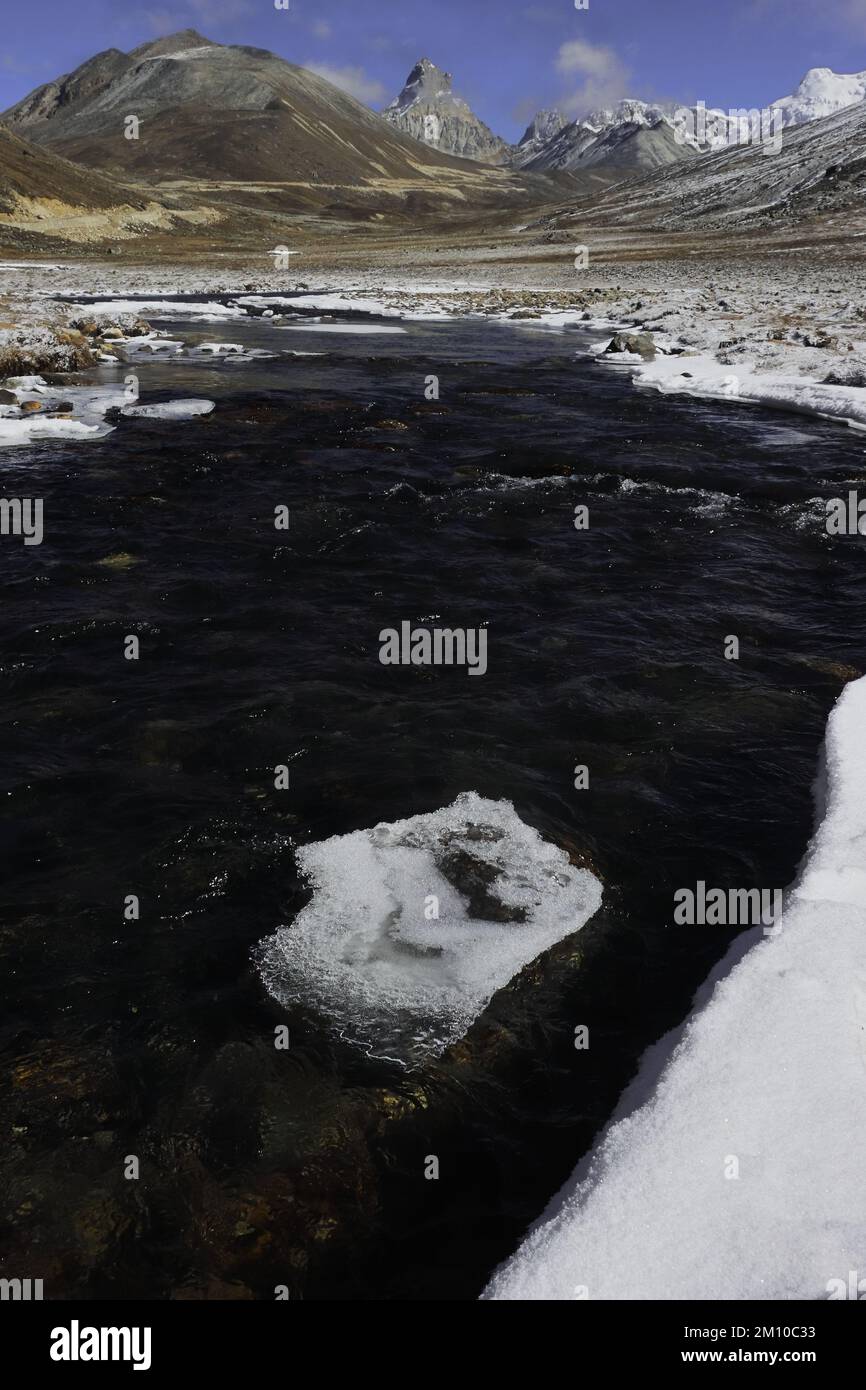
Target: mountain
[818,173]
[428,111]
[29,175]
[542,129]
[634,147]
[821,93]
[46,201]
[633,137]
[213,111]
[586,142]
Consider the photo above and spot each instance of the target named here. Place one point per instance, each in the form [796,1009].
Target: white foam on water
[363,953]
[771,1073]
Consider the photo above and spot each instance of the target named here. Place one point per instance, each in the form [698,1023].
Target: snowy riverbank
[739,1177]
[755,332]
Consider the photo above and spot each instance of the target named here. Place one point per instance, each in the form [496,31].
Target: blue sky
[508,57]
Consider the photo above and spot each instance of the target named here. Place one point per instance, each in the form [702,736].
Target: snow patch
[364,953]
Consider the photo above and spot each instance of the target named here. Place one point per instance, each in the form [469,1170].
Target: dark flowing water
[260,647]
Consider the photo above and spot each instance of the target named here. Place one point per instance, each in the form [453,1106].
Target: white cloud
[352,80]
[605,76]
[322,29]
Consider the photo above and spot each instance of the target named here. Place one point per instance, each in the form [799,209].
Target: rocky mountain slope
[211,111]
[819,172]
[585,142]
[428,110]
[630,145]
[234,138]
[541,131]
[29,175]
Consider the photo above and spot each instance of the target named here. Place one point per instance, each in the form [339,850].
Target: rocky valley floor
[749,316]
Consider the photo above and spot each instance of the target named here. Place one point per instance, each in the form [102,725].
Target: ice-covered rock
[414,926]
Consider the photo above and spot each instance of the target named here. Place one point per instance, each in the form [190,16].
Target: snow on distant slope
[632,135]
[819,170]
[821,93]
[741,1176]
[544,127]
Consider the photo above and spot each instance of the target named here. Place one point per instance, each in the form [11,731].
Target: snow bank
[84,410]
[30,265]
[31,429]
[319,303]
[166,309]
[769,1076]
[704,377]
[84,421]
[368,952]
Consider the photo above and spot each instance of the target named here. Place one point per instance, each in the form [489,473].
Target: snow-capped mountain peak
[821,93]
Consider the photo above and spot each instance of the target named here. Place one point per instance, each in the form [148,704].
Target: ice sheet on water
[319,303]
[208,310]
[220,348]
[355,327]
[84,421]
[364,953]
[151,342]
[31,429]
[769,1074]
[170,410]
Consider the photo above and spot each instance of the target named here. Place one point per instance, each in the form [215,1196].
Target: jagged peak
[425,82]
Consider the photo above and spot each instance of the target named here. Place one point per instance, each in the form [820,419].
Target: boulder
[639,343]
